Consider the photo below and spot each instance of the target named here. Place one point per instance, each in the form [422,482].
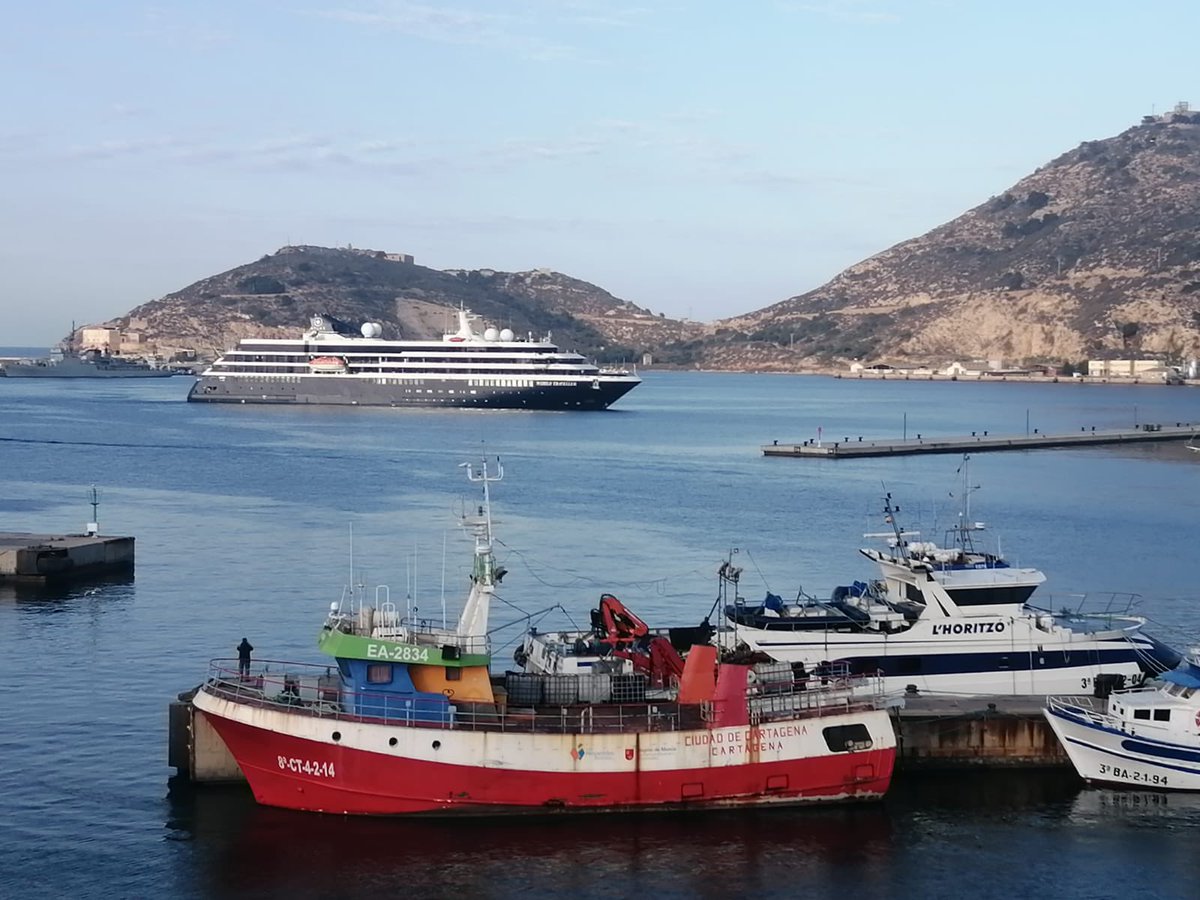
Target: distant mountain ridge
[1095,253]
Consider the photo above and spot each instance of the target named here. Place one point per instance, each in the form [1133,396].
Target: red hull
[368,783]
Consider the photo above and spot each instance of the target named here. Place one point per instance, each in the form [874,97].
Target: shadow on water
[108,587]
[984,790]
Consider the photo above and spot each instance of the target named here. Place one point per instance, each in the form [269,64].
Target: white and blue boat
[949,619]
[1147,737]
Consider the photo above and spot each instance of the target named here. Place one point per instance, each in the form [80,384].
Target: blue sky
[701,159]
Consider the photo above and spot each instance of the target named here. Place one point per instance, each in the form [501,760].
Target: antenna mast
[93,526]
[484,574]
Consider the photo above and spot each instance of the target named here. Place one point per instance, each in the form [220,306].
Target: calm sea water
[243,518]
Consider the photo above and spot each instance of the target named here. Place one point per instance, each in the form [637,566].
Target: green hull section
[353,646]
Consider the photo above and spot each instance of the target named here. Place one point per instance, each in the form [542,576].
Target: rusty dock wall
[975,732]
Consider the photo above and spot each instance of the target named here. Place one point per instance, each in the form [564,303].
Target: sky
[701,159]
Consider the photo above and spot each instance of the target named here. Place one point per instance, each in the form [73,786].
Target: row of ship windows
[359,352]
[483,382]
[384,360]
[458,370]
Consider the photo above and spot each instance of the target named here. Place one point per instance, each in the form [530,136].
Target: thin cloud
[847,12]
[172,27]
[600,14]
[449,25]
[119,148]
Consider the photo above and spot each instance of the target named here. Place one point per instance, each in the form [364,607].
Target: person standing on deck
[244,650]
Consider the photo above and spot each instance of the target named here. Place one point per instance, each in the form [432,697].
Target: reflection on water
[110,588]
[261,850]
[1108,805]
[985,834]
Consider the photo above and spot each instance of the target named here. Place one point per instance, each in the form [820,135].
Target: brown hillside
[276,295]
[1097,251]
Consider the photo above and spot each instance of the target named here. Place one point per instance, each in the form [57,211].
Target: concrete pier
[39,558]
[979,442]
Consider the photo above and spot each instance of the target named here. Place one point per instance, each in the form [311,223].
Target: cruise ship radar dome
[371,329]
[506,334]
[491,334]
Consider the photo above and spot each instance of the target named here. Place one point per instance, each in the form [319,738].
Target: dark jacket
[244,649]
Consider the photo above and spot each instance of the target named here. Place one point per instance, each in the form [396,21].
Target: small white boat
[1148,737]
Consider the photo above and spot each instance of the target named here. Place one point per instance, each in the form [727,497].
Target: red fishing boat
[408,719]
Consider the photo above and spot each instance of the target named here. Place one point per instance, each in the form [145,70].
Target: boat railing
[1091,709]
[316,690]
[1113,605]
[825,691]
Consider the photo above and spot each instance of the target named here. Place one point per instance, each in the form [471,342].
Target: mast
[484,574]
[965,524]
[93,526]
[889,516]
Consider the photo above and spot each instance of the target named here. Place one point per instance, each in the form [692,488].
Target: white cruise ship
[491,369]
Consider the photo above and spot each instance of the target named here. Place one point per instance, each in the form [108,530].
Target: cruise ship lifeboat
[329,364]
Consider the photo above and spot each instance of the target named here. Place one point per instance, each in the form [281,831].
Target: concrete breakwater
[39,558]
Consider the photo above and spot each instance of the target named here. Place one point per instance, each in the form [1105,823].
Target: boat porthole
[337,735]
[391,742]
[437,744]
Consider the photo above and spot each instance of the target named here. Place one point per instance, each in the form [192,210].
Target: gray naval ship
[331,363]
[67,362]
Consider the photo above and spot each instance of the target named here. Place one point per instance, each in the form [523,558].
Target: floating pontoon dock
[978,442]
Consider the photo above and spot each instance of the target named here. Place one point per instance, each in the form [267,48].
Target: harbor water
[251,520]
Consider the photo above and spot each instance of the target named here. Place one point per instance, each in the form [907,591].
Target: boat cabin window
[909,665]
[1162,715]
[842,738]
[1141,713]
[453,673]
[379,673]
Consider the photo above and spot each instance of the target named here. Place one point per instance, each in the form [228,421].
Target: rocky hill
[274,297]
[1098,251]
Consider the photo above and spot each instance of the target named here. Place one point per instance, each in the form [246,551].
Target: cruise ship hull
[367,390]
